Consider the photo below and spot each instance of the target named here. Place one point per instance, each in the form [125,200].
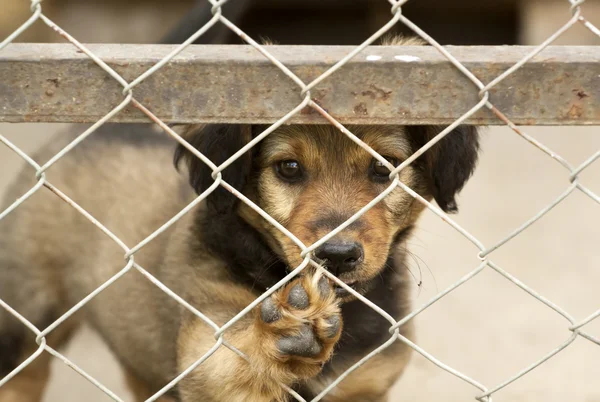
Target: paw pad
[305,344]
[334,323]
[303,319]
[269,311]
[298,298]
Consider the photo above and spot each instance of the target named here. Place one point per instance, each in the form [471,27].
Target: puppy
[222,255]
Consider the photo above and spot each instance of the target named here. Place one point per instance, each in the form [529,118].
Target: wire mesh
[575,326]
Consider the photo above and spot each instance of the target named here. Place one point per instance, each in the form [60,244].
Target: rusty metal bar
[383,85]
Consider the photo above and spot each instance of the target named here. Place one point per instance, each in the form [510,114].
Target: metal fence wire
[485,392]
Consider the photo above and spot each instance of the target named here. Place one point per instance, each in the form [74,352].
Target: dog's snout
[340,257]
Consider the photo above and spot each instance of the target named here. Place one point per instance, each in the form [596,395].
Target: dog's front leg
[287,339]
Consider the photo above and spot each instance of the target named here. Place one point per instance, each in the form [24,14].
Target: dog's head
[311,179]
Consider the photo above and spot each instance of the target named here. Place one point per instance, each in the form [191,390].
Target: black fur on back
[16,339]
[11,346]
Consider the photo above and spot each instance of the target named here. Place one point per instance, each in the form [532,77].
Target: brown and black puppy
[222,255]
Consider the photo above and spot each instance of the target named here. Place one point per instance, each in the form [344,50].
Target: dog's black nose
[340,257]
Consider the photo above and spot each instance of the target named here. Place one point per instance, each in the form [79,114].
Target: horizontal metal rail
[382,85]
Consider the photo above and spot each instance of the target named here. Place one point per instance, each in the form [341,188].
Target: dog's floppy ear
[449,163]
[217,142]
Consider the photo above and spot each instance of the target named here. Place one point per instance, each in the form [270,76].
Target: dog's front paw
[300,325]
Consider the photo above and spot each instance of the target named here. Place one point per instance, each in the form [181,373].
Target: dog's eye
[379,171]
[289,170]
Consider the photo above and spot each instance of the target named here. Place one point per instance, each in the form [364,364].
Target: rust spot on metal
[575,112]
[61,32]
[326,114]
[361,109]
[403,111]
[377,93]
[147,112]
[319,93]
[53,81]
[308,110]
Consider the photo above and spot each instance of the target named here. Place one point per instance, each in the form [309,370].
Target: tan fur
[399,40]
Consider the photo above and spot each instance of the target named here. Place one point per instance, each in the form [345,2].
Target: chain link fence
[485,392]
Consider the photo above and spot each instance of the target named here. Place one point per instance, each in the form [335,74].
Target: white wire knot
[397,6]
[575,5]
[217,176]
[35,4]
[216,8]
